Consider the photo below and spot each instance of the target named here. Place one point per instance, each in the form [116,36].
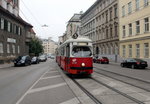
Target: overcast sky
[54,13]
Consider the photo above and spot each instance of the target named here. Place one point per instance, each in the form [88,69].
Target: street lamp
[44,25]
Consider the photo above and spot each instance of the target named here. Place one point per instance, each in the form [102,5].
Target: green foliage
[35,47]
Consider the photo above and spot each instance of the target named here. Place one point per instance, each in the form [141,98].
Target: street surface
[46,83]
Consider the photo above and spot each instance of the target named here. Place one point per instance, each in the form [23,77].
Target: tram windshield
[81,51]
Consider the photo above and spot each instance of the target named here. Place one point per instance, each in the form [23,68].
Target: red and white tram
[75,56]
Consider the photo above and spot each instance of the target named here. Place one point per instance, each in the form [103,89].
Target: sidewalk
[6,65]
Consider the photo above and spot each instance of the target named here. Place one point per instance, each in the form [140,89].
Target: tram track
[96,100]
[119,92]
[87,92]
[138,83]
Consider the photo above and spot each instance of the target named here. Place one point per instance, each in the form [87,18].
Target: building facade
[72,26]
[14,32]
[134,28]
[100,23]
[49,46]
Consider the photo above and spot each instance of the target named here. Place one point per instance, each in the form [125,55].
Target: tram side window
[81,51]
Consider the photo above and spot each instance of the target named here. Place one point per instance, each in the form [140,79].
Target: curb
[6,65]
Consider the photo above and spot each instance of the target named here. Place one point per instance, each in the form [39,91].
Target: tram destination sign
[82,43]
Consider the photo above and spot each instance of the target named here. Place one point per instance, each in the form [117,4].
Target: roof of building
[75,18]
[32,31]
[19,19]
[90,8]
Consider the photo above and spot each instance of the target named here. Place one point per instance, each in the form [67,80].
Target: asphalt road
[43,84]
[15,81]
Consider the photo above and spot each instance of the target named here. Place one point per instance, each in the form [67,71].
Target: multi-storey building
[49,46]
[15,33]
[72,26]
[134,28]
[100,23]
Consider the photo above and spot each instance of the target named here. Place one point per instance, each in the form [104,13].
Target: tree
[35,47]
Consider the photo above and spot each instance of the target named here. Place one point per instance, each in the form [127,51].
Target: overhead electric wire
[31,13]
[24,16]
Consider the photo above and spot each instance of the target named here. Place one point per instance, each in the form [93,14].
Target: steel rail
[119,92]
[124,75]
[123,81]
[87,92]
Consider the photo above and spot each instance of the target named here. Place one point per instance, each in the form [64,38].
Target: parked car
[94,59]
[35,60]
[134,63]
[22,61]
[42,58]
[52,56]
[102,60]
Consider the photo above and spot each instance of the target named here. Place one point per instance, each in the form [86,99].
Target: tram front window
[81,52]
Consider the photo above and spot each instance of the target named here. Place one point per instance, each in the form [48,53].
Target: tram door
[67,56]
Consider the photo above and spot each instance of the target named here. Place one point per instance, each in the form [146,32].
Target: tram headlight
[83,64]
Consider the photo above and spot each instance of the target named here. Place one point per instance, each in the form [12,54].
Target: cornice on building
[19,19]
[135,39]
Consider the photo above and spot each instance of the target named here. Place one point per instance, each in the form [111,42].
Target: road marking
[71,101]
[51,77]
[46,88]
[18,102]
[52,71]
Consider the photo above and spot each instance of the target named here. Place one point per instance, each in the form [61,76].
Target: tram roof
[77,40]
[80,39]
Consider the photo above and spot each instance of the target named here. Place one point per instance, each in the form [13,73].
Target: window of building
[116,30]
[107,16]
[129,7]
[106,32]
[13,48]
[104,4]
[146,21]
[14,28]
[15,1]
[110,13]
[130,29]
[109,50]
[103,36]
[123,11]
[116,50]
[146,50]
[1,23]
[18,49]
[5,25]
[137,50]
[137,27]
[116,11]
[123,50]
[130,50]
[137,4]
[19,30]
[9,27]
[1,47]
[124,31]
[145,2]
[8,48]
[111,32]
